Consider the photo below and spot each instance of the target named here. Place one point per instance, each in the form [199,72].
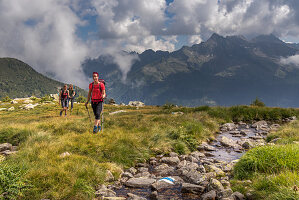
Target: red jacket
[96,91]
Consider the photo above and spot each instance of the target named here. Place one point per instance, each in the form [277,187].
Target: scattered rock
[5,146]
[209,195]
[196,189]
[109,176]
[228,127]
[134,197]
[65,154]
[11,108]
[238,196]
[104,192]
[171,160]
[136,103]
[173,154]
[140,182]
[116,112]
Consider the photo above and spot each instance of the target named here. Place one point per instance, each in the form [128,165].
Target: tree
[258,103]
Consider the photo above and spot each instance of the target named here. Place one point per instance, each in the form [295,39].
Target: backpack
[62,93]
[101,81]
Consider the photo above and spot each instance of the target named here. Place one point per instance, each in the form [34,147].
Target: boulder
[136,103]
[209,195]
[228,127]
[104,192]
[238,196]
[5,146]
[216,185]
[227,142]
[191,188]
[170,160]
[140,182]
[11,108]
[134,197]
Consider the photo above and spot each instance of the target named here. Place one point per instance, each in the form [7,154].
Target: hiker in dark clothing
[97,93]
[63,99]
[72,94]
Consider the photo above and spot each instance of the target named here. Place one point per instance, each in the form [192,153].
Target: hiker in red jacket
[97,94]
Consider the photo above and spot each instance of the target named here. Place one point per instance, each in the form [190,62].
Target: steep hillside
[221,71]
[17,79]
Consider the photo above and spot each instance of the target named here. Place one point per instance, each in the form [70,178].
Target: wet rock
[228,127]
[216,185]
[197,155]
[143,174]
[134,197]
[132,170]
[191,188]
[234,132]
[104,192]
[193,176]
[5,146]
[160,185]
[228,142]
[238,196]
[259,124]
[140,182]
[154,195]
[127,174]
[213,168]
[205,146]
[209,195]
[170,160]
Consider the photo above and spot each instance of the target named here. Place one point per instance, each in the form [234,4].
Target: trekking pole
[102,121]
[89,115]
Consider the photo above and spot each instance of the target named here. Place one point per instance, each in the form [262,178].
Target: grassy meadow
[39,171]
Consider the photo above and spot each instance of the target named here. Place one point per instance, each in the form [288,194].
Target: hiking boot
[99,128]
[95,129]
[60,113]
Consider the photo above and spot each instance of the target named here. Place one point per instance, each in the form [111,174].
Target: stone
[30,106]
[197,155]
[228,142]
[11,108]
[134,197]
[205,146]
[2,109]
[160,185]
[226,193]
[216,185]
[136,103]
[201,169]
[5,146]
[256,137]
[194,176]
[173,154]
[177,113]
[127,174]
[109,176]
[209,195]
[104,192]
[117,112]
[64,154]
[238,196]
[190,158]
[234,132]
[245,132]
[154,195]
[225,183]
[28,101]
[213,168]
[140,182]
[13,102]
[143,174]
[247,144]
[228,127]
[259,124]
[142,169]
[170,160]
[191,188]
[132,170]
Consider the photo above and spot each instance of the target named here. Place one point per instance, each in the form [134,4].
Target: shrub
[168,106]
[258,103]
[47,98]
[6,99]
[81,99]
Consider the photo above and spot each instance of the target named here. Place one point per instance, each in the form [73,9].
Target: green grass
[130,137]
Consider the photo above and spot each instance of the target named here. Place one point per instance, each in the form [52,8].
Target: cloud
[291,60]
[43,34]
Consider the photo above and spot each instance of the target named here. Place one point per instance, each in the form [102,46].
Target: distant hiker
[97,93]
[72,94]
[63,99]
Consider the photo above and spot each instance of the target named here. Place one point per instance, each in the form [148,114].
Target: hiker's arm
[88,97]
[104,94]
[59,97]
[74,93]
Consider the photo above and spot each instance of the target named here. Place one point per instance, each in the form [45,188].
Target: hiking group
[66,95]
[96,93]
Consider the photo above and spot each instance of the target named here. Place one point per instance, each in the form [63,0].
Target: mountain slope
[17,79]
[221,71]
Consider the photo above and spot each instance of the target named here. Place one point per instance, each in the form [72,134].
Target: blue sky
[51,35]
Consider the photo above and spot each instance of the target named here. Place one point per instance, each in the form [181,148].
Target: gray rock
[228,127]
[228,142]
[259,124]
[5,146]
[191,188]
[109,176]
[170,160]
[245,132]
[234,132]
[127,174]
[142,169]
[154,195]
[216,185]
[205,146]
[213,168]
[164,170]
[160,185]
[238,196]
[173,154]
[11,108]
[194,176]
[134,197]
[140,182]
[104,192]
[198,155]
[201,169]
[190,158]
[226,193]
[225,183]
[132,170]
[209,195]
[143,174]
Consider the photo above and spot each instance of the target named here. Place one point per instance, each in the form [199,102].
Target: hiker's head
[71,86]
[65,86]
[95,76]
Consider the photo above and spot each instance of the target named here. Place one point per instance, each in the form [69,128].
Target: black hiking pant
[97,108]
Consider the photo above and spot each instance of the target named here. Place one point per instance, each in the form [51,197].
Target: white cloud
[291,60]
